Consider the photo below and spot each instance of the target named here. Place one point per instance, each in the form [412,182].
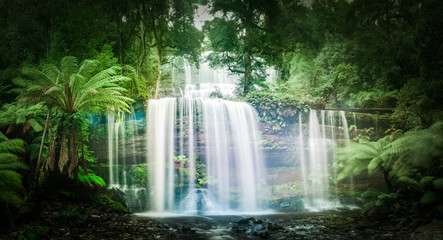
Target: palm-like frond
[74,88]
[52,72]
[87,68]
[68,66]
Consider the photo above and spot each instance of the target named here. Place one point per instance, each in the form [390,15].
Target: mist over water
[204,154]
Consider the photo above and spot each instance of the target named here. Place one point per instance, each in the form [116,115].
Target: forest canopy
[346,54]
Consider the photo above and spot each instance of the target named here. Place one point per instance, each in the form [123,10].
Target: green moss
[105,203]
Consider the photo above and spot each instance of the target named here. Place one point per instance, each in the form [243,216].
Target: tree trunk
[120,47]
[50,159]
[83,160]
[248,64]
[73,153]
[248,71]
[38,165]
[159,65]
[63,152]
[142,56]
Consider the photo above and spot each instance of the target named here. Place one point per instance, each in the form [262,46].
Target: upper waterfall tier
[206,81]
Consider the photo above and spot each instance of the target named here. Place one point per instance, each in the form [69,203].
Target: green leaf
[438,183]
[371,193]
[368,206]
[374,165]
[35,125]
[408,181]
[426,180]
[429,198]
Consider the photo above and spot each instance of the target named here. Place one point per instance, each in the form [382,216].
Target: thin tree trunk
[248,71]
[37,167]
[142,56]
[248,65]
[82,160]
[159,65]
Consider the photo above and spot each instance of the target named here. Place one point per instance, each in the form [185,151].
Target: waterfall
[119,155]
[317,166]
[203,154]
[160,142]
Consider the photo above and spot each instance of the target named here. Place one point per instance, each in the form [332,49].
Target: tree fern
[72,89]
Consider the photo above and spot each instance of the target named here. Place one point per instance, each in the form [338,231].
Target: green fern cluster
[11,187]
[19,113]
[365,155]
[374,98]
[412,164]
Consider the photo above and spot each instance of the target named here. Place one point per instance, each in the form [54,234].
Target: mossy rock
[105,203]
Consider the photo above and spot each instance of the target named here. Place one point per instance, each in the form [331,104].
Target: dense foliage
[411,164]
[371,54]
[328,53]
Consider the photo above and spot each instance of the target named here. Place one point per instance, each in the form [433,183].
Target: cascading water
[119,158]
[203,153]
[316,163]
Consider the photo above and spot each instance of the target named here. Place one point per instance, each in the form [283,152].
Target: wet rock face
[291,204]
[255,227]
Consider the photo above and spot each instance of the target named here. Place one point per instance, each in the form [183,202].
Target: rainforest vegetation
[63,61]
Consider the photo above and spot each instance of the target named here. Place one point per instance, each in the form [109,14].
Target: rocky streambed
[89,223]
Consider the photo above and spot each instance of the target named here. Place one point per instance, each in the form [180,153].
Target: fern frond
[11,198]
[408,181]
[87,68]
[374,165]
[13,145]
[7,157]
[52,72]
[438,183]
[427,180]
[430,197]
[10,179]
[68,66]
[370,193]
